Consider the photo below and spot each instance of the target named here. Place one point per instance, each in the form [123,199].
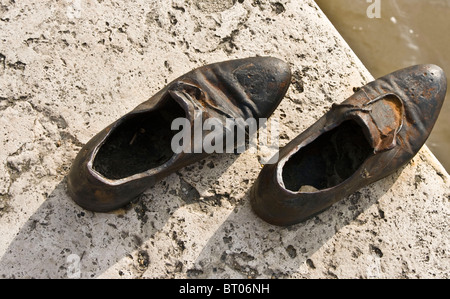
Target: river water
[400,33]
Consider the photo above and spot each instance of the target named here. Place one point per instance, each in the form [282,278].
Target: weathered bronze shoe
[136,151]
[367,137]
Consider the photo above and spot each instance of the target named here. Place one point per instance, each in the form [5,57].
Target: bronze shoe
[367,137]
[135,152]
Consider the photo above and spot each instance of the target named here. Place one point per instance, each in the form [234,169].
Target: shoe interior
[327,161]
[141,142]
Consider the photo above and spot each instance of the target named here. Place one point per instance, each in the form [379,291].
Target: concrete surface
[68,68]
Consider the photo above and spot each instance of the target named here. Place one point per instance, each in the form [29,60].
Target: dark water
[408,32]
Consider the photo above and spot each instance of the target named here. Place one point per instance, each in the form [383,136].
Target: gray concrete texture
[69,68]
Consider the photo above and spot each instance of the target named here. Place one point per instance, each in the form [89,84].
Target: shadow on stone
[62,240]
[245,246]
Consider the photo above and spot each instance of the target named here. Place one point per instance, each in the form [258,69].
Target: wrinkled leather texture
[241,88]
[396,113]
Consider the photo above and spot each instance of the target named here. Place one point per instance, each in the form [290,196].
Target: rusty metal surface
[251,87]
[396,113]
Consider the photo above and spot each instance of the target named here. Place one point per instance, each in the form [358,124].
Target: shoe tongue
[382,119]
[199,100]
[387,116]
[190,94]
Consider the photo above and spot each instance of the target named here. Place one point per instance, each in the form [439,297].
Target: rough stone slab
[69,68]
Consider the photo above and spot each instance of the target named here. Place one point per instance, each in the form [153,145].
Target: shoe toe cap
[427,85]
[265,81]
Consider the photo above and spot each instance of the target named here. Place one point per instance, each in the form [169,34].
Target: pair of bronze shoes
[365,138]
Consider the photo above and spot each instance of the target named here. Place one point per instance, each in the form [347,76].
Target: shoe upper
[396,114]
[241,88]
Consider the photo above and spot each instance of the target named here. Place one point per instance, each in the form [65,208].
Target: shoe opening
[141,142]
[327,161]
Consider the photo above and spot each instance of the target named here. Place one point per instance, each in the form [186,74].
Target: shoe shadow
[245,246]
[62,240]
